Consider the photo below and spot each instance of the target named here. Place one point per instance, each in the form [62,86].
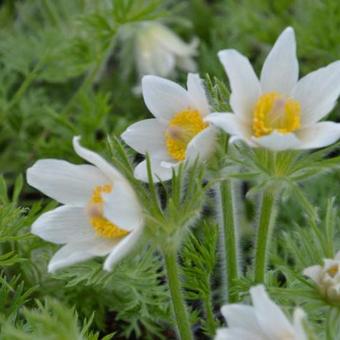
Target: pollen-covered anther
[182,128]
[102,226]
[274,112]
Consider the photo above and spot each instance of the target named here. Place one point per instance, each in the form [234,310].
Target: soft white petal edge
[65,182]
[164,98]
[63,225]
[313,272]
[277,141]
[159,172]
[319,135]
[123,247]
[270,317]
[197,91]
[77,252]
[281,68]
[299,317]
[147,136]
[236,334]
[92,157]
[245,86]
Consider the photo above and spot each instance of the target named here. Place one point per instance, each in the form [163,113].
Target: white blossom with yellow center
[178,132]
[279,111]
[327,278]
[262,321]
[100,214]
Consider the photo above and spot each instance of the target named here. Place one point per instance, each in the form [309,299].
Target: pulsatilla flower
[178,132]
[262,321]
[100,214]
[158,51]
[279,112]
[327,278]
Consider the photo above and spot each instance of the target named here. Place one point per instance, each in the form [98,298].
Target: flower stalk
[265,227]
[179,307]
[228,228]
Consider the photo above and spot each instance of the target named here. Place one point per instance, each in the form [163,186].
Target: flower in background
[178,131]
[158,51]
[279,112]
[327,277]
[100,214]
[262,321]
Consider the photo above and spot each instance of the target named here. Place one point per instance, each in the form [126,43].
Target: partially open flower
[178,131]
[263,321]
[327,278]
[279,112]
[158,51]
[100,214]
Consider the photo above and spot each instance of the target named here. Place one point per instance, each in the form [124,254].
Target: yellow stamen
[274,112]
[333,270]
[182,128]
[101,225]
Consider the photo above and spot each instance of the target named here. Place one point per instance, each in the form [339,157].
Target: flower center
[333,270]
[100,224]
[182,128]
[273,112]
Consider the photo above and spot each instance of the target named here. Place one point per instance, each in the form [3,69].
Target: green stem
[267,217]
[208,308]
[230,239]
[179,307]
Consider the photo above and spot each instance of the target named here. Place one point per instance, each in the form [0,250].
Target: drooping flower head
[279,111]
[178,131]
[100,214]
[158,51]
[327,278]
[262,321]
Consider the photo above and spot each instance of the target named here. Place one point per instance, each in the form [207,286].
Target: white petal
[65,182]
[230,123]
[122,207]
[272,320]
[299,317]
[123,247]
[92,157]
[164,98]
[198,94]
[147,136]
[159,172]
[202,145]
[313,272]
[76,252]
[245,87]
[169,40]
[236,334]
[317,93]
[186,64]
[277,141]
[241,316]
[319,135]
[281,69]
[63,225]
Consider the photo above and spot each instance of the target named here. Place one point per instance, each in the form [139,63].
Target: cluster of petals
[262,321]
[100,214]
[278,111]
[158,51]
[178,131]
[327,278]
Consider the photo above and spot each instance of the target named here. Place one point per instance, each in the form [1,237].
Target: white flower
[327,277]
[279,112]
[262,321]
[178,131]
[100,214]
[158,51]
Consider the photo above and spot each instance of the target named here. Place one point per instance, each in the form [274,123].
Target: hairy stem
[266,221]
[228,228]
[179,307]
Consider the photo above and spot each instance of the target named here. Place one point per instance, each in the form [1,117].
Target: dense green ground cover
[67,68]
